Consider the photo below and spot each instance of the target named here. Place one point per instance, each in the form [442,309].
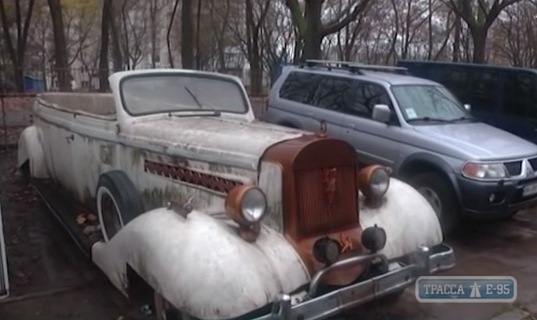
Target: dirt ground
[49,277]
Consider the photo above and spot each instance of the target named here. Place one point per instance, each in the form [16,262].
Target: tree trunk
[313,38]
[105,39]
[187,38]
[60,45]
[153,17]
[198,37]
[117,56]
[479,37]
[168,33]
[17,48]
[457,40]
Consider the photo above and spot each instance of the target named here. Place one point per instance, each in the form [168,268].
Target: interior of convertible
[99,104]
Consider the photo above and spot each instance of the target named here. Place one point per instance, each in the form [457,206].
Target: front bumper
[508,197]
[426,261]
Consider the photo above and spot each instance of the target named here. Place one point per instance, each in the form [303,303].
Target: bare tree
[255,18]
[310,27]
[479,15]
[105,40]
[169,32]
[17,47]
[515,35]
[60,45]
[187,38]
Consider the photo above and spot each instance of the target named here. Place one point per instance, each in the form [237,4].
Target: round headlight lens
[254,205]
[379,182]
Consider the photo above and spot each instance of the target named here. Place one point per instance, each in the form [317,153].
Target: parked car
[505,97]
[416,127]
[4,279]
[207,212]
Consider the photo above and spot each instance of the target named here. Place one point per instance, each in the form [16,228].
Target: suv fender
[420,162]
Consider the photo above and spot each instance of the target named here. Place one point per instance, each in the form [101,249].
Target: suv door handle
[70,138]
[350,125]
[310,114]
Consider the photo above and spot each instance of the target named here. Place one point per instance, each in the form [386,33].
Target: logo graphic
[329,184]
[466,289]
[475,291]
[346,244]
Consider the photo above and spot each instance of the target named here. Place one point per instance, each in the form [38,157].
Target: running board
[65,210]
[4,279]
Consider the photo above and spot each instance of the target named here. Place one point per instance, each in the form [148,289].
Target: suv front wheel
[439,193]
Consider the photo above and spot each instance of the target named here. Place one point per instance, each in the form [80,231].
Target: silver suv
[418,128]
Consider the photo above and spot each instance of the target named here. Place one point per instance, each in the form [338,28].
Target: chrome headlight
[253,205]
[379,182]
[374,181]
[476,170]
[246,204]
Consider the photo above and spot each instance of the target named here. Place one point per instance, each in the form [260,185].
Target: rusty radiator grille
[316,189]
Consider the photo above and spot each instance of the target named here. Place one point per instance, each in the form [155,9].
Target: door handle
[70,138]
[350,125]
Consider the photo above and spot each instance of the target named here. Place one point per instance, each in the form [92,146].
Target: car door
[375,142]
[59,140]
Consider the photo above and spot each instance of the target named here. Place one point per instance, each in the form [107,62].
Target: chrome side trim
[4,280]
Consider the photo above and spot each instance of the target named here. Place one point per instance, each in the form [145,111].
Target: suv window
[518,93]
[300,87]
[367,95]
[333,93]
[350,96]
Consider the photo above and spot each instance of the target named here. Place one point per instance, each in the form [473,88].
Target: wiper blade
[200,104]
[461,119]
[427,119]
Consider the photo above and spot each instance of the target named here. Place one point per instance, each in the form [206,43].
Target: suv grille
[315,215]
[514,167]
[533,163]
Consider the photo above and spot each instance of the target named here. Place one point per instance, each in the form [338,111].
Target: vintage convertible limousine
[206,213]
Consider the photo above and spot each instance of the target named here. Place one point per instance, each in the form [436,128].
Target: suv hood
[218,139]
[478,140]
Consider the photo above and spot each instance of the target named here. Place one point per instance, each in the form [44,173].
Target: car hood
[478,140]
[219,139]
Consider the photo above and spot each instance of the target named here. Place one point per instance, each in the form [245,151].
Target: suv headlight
[476,170]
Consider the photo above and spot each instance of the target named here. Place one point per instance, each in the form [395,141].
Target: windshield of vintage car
[429,103]
[152,94]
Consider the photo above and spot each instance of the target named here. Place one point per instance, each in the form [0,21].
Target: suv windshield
[160,93]
[429,103]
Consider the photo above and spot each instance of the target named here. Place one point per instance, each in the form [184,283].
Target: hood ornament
[329,184]
[322,129]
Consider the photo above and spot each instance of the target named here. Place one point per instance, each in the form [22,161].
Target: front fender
[200,264]
[30,149]
[407,217]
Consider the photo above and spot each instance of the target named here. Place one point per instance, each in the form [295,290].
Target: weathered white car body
[184,165]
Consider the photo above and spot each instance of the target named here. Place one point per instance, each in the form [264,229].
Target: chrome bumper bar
[425,261]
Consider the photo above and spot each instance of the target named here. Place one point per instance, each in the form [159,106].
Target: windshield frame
[467,114]
[194,111]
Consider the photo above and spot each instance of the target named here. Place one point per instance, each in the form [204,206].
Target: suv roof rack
[354,67]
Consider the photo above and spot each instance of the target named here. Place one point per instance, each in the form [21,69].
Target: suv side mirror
[468,107]
[382,113]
